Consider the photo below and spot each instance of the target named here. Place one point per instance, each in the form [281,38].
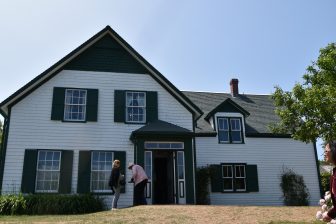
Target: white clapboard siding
[31,127]
[270,155]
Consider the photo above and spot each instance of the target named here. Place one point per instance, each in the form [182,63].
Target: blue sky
[198,45]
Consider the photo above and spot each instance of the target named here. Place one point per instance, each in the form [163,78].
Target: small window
[101,166]
[234,177]
[136,107]
[75,105]
[48,171]
[229,130]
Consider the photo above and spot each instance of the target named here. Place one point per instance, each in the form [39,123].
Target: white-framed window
[227,177]
[240,178]
[75,105]
[48,171]
[136,107]
[223,130]
[229,130]
[234,177]
[164,145]
[101,166]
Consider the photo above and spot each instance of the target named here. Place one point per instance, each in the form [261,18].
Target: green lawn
[192,214]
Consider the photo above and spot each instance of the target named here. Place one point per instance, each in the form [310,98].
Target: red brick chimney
[234,87]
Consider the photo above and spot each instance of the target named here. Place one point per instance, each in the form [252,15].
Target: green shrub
[295,192]
[38,204]
[12,204]
[202,191]
[325,181]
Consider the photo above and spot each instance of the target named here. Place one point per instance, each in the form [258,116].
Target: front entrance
[163,178]
[165,168]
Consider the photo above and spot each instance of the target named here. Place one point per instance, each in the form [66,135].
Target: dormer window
[229,130]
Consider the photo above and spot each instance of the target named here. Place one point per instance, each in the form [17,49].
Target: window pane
[227,171]
[47,174]
[177,145]
[180,172]
[223,136]
[164,145]
[240,171]
[100,170]
[240,184]
[235,124]
[75,104]
[228,184]
[236,136]
[135,107]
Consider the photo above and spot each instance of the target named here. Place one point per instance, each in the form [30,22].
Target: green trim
[57,109]
[66,172]
[227,105]
[151,106]
[267,135]
[29,171]
[252,180]
[84,172]
[189,172]
[92,105]
[216,179]
[106,55]
[206,134]
[4,147]
[175,93]
[318,169]
[194,158]
[119,106]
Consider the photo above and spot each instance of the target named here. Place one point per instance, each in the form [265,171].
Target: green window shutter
[122,157]
[84,172]
[57,110]
[216,178]
[29,171]
[151,106]
[92,105]
[66,172]
[252,178]
[119,106]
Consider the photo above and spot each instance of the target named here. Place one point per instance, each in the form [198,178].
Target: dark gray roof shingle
[260,107]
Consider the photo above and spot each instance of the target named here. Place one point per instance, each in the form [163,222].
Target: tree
[308,111]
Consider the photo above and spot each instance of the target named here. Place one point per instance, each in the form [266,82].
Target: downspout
[194,158]
[4,141]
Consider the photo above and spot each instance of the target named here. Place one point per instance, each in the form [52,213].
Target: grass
[192,214]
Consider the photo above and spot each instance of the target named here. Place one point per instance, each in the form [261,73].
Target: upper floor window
[136,107]
[229,130]
[48,171]
[75,105]
[101,166]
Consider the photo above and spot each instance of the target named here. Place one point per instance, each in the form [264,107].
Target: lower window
[234,177]
[48,171]
[101,166]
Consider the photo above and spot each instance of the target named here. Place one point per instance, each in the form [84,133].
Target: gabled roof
[161,128]
[57,67]
[260,108]
[227,106]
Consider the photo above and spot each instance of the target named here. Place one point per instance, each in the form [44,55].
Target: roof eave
[61,63]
